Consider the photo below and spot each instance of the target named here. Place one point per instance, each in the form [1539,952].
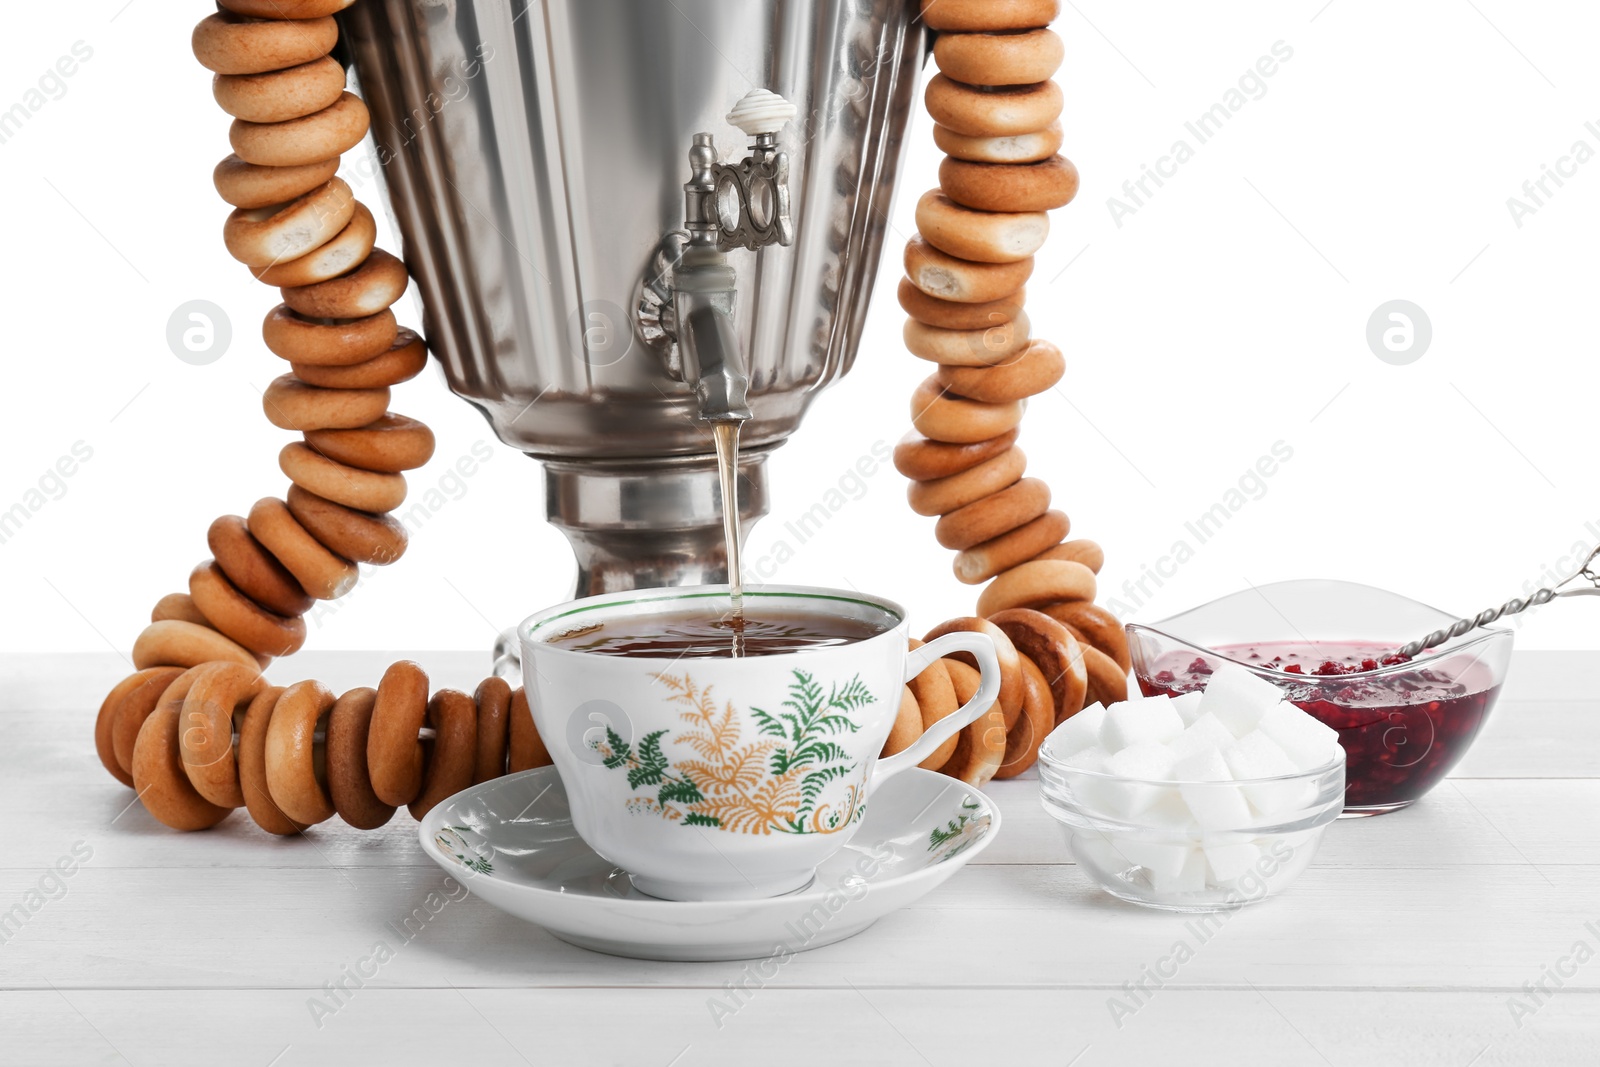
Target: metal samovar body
[599,251]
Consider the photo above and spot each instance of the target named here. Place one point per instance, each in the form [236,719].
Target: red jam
[1402,730]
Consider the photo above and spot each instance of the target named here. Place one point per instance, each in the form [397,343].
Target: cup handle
[919,660]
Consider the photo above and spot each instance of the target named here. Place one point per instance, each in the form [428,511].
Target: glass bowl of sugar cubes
[1199,802]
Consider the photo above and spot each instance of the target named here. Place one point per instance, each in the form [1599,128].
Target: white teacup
[724,778]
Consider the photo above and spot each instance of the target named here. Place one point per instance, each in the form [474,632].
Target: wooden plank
[1460,927]
[894,1027]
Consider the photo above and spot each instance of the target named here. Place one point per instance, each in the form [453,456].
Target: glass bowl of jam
[1330,646]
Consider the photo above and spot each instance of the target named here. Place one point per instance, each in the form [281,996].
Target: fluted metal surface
[535,152]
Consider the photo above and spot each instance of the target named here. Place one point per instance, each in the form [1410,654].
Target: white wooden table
[1409,940]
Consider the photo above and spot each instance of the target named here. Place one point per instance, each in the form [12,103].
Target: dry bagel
[289,231]
[1011,148]
[525,748]
[1038,718]
[344,253]
[157,769]
[961,280]
[991,112]
[349,784]
[175,643]
[1019,503]
[941,496]
[245,185]
[362,490]
[220,693]
[337,343]
[999,58]
[291,404]
[493,698]
[955,419]
[130,712]
[981,745]
[253,570]
[354,535]
[1035,367]
[226,43]
[404,361]
[949,315]
[252,760]
[980,16]
[285,9]
[907,725]
[1011,684]
[367,290]
[454,749]
[321,573]
[1095,626]
[156,678]
[291,761]
[1083,550]
[1042,186]
[936,698]
[1053,650]
[1108,684]
[279,95]
[242,619]
[994,346]
[391,444]
[1035,583]
[921,460]
[983,561]
[394,755]
[179,606]
[981,236]
[311,138]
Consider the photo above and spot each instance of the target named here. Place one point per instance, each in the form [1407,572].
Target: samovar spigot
[695,289]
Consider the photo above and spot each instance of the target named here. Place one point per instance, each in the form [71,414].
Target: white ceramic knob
[761,111]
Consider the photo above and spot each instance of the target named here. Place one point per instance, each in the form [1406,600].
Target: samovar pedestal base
[642,524]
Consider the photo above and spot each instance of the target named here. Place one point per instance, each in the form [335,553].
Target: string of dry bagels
[198,731]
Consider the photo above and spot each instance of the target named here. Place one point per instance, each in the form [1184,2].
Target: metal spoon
[1585,570]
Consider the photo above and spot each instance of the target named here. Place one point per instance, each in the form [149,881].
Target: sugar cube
[1308,742]
[1187,706]
[1205,733]
[1190,878]
[1134,722]
[1208,789]
[1169,812]
[1148,763]
[1239,698]
[1163,859]
[1079,732]
[1092,758]
[1229,861]
[1258,756]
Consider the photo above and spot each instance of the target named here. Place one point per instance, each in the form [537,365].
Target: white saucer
[511,842]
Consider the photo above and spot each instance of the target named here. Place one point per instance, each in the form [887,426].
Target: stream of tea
[727,437]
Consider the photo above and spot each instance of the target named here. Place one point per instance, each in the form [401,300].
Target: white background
[1225,315]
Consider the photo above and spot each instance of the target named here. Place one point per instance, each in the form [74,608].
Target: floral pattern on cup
[775,782]
[454,842]
[960,833]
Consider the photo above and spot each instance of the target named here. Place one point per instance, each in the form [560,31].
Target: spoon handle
[1515,605]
